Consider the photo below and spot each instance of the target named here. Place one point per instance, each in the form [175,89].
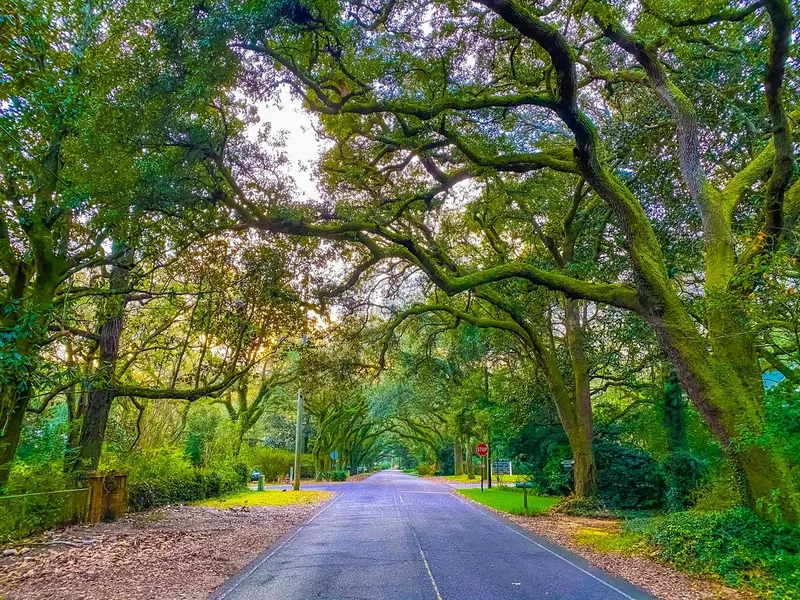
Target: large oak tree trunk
[103,389]
[730,397]
[581,437]
[14,399]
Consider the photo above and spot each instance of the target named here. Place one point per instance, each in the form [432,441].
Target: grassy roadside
[477,479]
[510,500]
[731,553]
[268,498]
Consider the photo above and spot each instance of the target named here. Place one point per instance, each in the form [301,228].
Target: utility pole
[298,436]
[298,439]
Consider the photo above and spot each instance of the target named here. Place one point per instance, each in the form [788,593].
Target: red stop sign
[482,449]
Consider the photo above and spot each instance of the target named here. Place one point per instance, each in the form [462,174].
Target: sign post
[482,450]
[334,458]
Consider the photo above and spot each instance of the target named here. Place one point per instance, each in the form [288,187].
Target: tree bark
[14,399]
[470,465]
[103,389]
[458,460]
[581,437]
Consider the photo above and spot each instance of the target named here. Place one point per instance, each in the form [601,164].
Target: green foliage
[29,514]
[335,475]
[735,545]
[426,470]
[555,479]
[628,477]
[719,492]
[275,463]
[782,402]
[167,476]
[683,474]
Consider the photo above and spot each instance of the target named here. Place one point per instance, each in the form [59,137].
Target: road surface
[398,537]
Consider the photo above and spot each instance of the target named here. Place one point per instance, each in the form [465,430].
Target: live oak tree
[501,86]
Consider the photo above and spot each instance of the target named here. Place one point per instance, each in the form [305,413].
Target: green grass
[607,539]
[410,472]
[268,498]
[510,500]
[503,478]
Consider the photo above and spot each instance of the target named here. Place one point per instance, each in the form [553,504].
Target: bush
[337,475]
[425,470]
[556,480]
[27,514]
[734,544]
[717,493]
[275,463]
[585,507]
[683,473]
[628,477]
[167,476]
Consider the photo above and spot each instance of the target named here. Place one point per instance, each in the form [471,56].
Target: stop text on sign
[482,449]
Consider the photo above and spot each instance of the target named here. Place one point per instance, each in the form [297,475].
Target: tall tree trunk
[458,460]
[470,465]
[581,437]
[14,399]
[103,388]
[731,401]
[674,415]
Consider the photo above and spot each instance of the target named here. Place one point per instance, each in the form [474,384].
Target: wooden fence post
[95,511]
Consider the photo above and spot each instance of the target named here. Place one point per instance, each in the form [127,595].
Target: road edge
[623,587]
[234,581]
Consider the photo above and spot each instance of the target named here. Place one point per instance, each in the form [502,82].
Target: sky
[302,146]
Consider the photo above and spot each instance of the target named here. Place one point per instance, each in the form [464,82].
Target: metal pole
[298,439]
[489,466]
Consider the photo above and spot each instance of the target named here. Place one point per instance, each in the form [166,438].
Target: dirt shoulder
[180,553]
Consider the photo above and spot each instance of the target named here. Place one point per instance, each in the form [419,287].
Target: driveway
[398,537]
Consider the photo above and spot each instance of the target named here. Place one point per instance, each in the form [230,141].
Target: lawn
[503,478]
[510,500]
[268,498]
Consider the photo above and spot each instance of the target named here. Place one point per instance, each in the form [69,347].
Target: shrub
[337,475]
[628,477]
[585,507]
[166,476]
[425,470]
[683,473]
[275,463]
[27,514]
[717,493]
[556,479]
[734,544]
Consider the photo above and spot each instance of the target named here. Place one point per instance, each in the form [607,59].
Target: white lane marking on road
[428,569]
[556,554]
[271,554]
[416,538]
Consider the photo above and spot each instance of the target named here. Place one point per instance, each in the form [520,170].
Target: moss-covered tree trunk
[14,399]
[581,435]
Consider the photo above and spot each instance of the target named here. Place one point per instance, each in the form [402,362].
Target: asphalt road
[397,537]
